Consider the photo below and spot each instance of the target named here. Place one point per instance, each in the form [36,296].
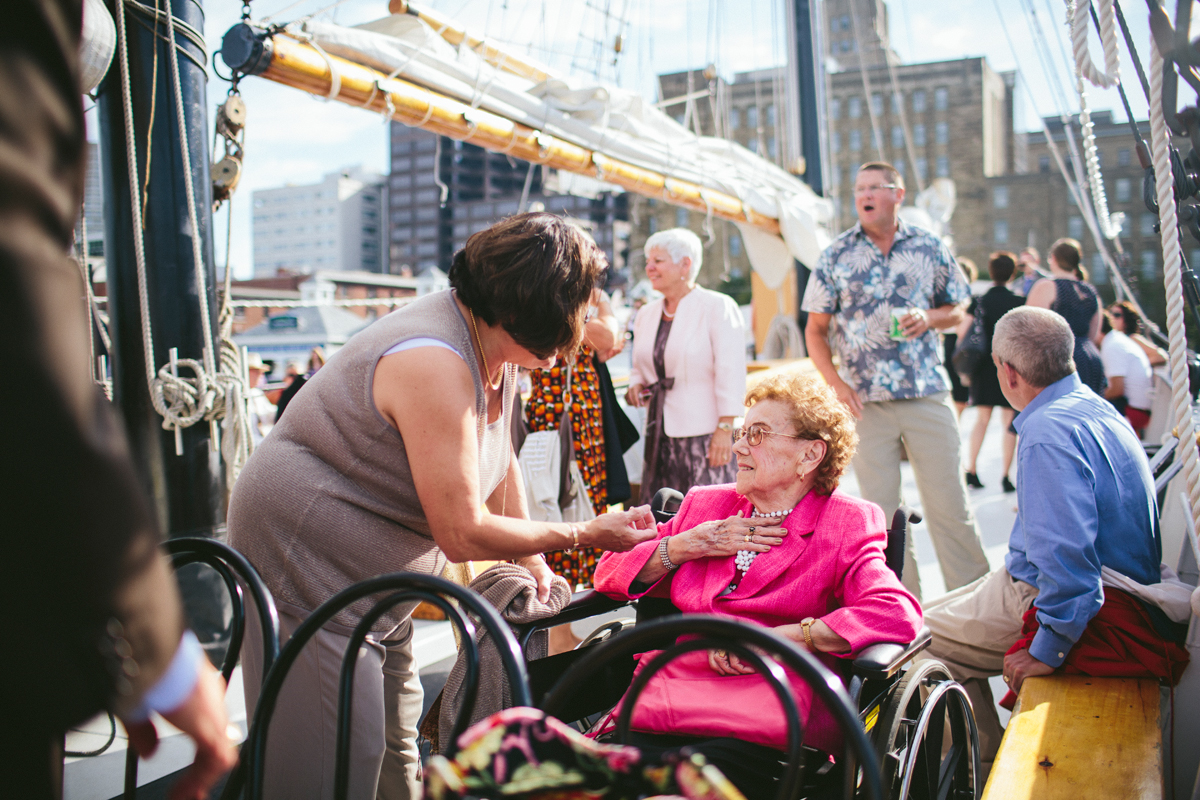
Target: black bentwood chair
[765,651]
[236,572]
[397,588]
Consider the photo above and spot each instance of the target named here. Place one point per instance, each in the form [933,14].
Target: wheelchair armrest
[587,603]
[882,661]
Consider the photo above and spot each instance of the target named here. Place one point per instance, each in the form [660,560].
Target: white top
[1124,359]
[421,341]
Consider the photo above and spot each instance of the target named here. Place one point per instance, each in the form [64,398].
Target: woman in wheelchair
[782,548]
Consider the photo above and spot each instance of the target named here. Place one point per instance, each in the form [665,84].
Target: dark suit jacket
[91,616]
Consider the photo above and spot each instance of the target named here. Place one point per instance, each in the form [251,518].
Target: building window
[653,224]
[1193,258]
[919,135]
[941,98]
[835,142]
[835,109]
[941,132]
[845,22]
[1149,264]
[877,104]
[1124,187]
[681,218]
[771,149]
[854,107]
[922,169]
[1148,223]
[1123,157]
[855,140]
[735,118]
[1000,197]
[876,140]
[897,102]
[1099,273]
[919,101]
[752,117]
[1075,227]
[771,115]
[1000,232]
[735,245]
[1043,163]
[897,137]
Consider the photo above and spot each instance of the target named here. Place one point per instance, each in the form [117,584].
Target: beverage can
[896,332]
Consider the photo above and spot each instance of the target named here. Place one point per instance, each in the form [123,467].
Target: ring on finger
[720,654]
[1005,678]
[749,537]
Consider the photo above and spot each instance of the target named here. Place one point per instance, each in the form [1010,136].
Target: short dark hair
[969,270]
[532,274]
[893,174]
[1001,266]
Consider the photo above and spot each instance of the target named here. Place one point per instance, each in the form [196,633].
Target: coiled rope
[1111,75]
[208,395]
[1160,143]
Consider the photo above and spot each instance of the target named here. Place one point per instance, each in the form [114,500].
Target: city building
[92,218]
[442,190]
[336,224]
[1032,207]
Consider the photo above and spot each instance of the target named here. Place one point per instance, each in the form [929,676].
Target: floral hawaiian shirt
[855,283]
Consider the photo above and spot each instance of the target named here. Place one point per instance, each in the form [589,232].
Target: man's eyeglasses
[754,435]
[875,187]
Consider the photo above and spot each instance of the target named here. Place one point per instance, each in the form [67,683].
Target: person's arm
[600,333]
[816,337]
[963,327]
[1094,325]
[728,337]
[440,437]
[1043,294]
[1116,387]
[638,380]
[1060,521]
[716,539]
[1154,353]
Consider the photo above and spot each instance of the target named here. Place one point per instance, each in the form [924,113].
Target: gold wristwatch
[806,626]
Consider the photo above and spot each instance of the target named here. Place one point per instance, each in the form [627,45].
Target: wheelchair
[917,718]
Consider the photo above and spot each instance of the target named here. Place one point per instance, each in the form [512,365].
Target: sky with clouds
[292,137]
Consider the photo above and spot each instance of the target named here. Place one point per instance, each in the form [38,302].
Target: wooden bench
[1074,737]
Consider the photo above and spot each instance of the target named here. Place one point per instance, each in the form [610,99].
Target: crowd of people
[399,454]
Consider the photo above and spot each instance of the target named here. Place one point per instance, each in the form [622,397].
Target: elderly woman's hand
[726,537]
[723,662]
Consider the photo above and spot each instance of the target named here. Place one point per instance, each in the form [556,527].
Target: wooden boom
[285,60]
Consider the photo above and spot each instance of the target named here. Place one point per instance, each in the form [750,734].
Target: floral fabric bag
[522,753]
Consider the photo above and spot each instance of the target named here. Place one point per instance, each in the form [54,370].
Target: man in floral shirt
[895,385]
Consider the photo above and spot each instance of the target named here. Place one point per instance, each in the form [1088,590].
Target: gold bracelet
[806,626]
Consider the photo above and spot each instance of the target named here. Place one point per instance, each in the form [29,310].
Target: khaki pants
[973,627]
[301,739]
[929,429]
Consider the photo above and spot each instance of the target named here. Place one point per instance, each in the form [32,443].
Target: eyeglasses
[754,435]
[875,187]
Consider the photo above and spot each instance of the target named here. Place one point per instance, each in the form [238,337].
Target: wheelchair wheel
[927,738]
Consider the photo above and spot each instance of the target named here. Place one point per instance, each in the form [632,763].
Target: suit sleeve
[728,334]
[875,606]
[86,592]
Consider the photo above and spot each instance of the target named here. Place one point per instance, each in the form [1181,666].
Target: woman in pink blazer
[784,549]
[689,369]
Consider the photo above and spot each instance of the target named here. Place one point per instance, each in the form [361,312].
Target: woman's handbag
[553,482]
[972,348]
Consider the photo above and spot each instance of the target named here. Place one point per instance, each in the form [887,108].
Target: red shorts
[1138,418]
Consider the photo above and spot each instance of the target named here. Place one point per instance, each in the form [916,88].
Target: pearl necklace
[745,558]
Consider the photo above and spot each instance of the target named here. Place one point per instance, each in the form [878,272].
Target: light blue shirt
[1086,500]
[859,286]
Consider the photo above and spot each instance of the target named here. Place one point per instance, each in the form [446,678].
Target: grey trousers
[301,739]
[928,427]
[973,627]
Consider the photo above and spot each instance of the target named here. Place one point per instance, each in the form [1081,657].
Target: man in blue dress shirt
[1086,501]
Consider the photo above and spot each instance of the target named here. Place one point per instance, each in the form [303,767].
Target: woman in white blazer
[689,369]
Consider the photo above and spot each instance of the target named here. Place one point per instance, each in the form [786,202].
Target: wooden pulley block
[233,110]
[225,176]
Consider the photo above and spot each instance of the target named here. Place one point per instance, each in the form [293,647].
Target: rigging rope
[1110,224]
[1108,41]
[866,82]
[209,395]
[1172,267]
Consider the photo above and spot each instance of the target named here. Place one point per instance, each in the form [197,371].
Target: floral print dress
[543,412]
